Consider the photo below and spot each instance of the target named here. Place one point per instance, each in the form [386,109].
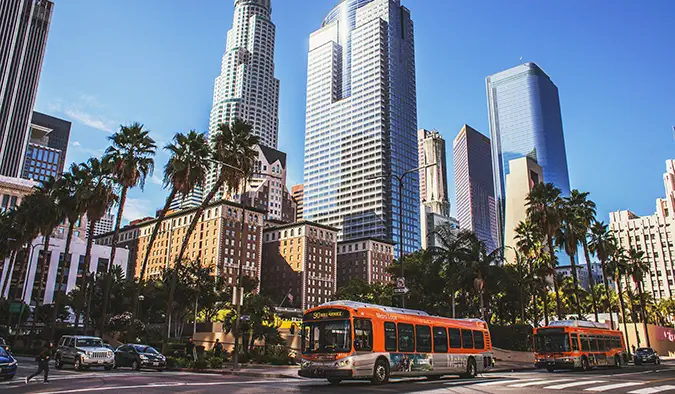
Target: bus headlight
[342,363]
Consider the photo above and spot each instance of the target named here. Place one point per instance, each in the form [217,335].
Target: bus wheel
[334,381]
[381,372]
[471,370]
[584,364]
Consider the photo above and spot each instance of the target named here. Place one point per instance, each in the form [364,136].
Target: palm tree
[543,209]
[481,267]
[638,268]
[130,156]
[234,146]
[567,238]
[451,255]
[529,244]
[617,266]
[603,244]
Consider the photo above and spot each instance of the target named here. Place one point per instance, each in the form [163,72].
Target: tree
[637,269]
[543,209]
[567,237]
[529,242]
[617,266]
[361,291]
[451,254]
[130,157]
[603,245]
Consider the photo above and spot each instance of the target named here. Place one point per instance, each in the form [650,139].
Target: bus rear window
[478,340]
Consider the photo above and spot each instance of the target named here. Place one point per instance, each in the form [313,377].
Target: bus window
[467,339]
[423,338]
[455,338]
[440,340]
[478,341]
[406,338]
[606,344]
[390,337]
[363,335]
[575,342]
[594,344]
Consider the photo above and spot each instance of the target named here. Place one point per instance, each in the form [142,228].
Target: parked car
[646,355]
[83,352]
[8,364]
[139,356]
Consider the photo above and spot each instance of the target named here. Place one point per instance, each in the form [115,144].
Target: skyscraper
[298,193]
[47,147]
[24,26]
[525,120]
[361,123]
[474,186]
[433,179]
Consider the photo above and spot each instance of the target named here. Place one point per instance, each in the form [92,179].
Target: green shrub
[177,362]
[200,364]
[215,362]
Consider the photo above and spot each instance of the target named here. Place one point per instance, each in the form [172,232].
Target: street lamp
[400,179]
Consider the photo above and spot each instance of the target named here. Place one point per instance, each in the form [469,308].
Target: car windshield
[327,337]
[3,352]
[644,350]
[89,342]
[552,343]
[145,349]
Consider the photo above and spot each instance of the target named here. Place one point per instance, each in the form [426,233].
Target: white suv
[83,352]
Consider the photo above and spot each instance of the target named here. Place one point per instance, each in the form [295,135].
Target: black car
[139,356]
[7,364]
[646,355]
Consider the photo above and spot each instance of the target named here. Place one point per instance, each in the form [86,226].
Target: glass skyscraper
[525,120]
[361,122]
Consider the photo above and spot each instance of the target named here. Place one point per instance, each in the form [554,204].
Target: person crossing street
[43,363]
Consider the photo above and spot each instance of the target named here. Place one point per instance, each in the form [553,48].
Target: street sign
[400,283]
[16,307]
[401,290]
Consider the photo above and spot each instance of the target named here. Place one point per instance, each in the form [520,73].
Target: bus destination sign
[325,314]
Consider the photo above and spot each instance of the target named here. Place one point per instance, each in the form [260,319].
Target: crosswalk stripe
[573,384]
[614,386]
[546,381]
[652,390]
[496,381]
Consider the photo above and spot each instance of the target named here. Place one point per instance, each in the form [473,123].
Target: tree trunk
[88,289]
[557,296]
[10,270]
[551,250]
[66,266]
[107,283]
[623,310]
[454,299]
[631,298]
[575,279]
[545,300]
[609,299]
[591,282]
[22,272]
[644,313]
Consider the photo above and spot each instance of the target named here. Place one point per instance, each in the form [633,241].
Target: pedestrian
[190,349]
[43,363]
[218,348]
[633,346]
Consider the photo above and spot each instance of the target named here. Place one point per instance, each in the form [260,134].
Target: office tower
[299,197]
[47,147]
[299,261]
[474,186]
[654,235]
[524,174]
[366,259]
[361,123]
[525,120]
[24,26]
[104,225]
[435,208]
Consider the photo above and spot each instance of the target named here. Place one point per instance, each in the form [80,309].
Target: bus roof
[578,323]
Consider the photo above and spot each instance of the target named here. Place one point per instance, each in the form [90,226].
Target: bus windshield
[551,343]
[334,336]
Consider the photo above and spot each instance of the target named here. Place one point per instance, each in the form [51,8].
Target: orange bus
[577,344]
[353,340]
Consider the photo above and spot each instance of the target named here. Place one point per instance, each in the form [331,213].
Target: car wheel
[585,366]
[381,372]
[108,367]
[136,366]
[658,361]
[77,364]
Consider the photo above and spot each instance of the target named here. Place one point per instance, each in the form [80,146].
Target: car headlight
[13,363]
[110,354]
[88,353]
[143,357]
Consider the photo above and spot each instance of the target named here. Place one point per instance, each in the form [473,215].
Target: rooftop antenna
[521,60]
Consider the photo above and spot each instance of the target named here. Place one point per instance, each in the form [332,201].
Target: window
[423,336]
[455,338]
[575,342]
[467,339]
[363,335]
[440,340]
[478,340]
[585,344]
[390,337]
[406,338]
[594,344]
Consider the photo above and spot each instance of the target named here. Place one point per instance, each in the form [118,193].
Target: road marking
[546,381]
[502,381]
[614,386]
[573,384]
[652,390]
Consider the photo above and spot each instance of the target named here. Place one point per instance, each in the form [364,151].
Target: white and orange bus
[577,344]
[353,340]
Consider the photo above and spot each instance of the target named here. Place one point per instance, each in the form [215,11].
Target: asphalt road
[633,380]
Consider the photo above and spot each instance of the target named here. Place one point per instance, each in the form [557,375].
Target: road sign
[16,307]
[400,283]
[401,290]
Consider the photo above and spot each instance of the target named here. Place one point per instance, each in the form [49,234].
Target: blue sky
[154,61]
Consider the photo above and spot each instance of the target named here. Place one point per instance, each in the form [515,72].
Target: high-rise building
[365,259]
[298,195]
[47,147]
[654,235]
[435,208]
[474,186]
[104,225]
[361,123]
[525,120]
[24,26]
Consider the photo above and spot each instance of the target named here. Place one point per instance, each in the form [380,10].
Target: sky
[154,61]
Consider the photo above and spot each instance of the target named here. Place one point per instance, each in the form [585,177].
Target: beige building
[654,236]
[298,193]
[366,259]
[13,190]
[299,266]
[523,175]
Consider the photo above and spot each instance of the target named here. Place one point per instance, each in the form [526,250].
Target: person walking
[43,363]
[218,348]
[191,349]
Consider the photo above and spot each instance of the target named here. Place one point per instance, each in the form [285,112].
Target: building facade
[128,240]
[47,147]
[474,187]
[299,264]
[654,235]
[525,120]
[365,259]
[24,27]
[433,179]
[298,195]
[104,225]
[361,123]
[13,191]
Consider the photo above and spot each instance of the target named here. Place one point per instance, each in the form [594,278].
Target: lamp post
[401,178]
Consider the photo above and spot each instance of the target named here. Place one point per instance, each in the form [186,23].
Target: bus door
[364,358]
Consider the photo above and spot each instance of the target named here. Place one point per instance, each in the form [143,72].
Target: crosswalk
[589,385]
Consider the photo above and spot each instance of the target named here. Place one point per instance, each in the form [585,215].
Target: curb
[236,373]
